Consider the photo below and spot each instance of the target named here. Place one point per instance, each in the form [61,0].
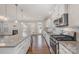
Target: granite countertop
[10,41]
[72,46]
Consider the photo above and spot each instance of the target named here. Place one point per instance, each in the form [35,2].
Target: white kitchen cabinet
[21,48]
[63,50]
[14,12]
[5,28]
[28,43]
[58,10]
[44,35]
[12,49]
[9,11]
[47,37]
[24,46]
[2,10]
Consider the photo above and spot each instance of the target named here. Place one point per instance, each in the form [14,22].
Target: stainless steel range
[54,42]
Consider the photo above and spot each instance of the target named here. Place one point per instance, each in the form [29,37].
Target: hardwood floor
[39,45]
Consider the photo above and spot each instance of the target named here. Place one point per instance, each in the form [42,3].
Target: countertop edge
[14,45]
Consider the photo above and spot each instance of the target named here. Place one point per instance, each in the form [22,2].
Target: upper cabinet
[71,9]
[2,10]
[14,12]
[58,10]
[60,15]
[10,11]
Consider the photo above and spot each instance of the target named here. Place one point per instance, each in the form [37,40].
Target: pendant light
[22,13]
[22,19]
[5,12]
[16,13]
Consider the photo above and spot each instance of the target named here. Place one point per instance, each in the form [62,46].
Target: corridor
[39,45]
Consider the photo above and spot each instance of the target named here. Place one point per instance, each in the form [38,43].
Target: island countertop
[10,41]
[72,46]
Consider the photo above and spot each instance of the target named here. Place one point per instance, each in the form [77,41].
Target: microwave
[62,21]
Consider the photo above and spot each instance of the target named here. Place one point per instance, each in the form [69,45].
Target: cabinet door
[20,48]
[63,50]
[44,34]
[2,10]
[11,12]
[47,39]
[28,42]
[61,10]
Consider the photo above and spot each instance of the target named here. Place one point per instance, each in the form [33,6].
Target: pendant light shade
[16,14]
[6,13]
[16,10]
[22,13]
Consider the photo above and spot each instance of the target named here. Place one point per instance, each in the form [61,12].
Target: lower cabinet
[63,50]
[28,44]
[24,46]
[21,48]
[47,37]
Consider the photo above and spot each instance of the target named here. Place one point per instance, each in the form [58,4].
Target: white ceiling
[35,11]
[31,12]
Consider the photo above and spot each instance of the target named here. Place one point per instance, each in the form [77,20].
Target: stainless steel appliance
[14,32]
[62,21]
[54,41]
[54,46]
[5,28]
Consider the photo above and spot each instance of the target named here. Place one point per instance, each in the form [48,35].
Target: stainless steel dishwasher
[54,46]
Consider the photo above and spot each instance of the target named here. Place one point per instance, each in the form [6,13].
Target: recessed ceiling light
[16,21]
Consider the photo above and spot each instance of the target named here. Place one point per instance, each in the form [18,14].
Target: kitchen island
[69,47]
[14,44]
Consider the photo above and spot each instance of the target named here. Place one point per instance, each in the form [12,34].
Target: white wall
[74,15]
[73,10]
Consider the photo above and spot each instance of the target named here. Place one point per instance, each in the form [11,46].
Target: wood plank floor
[39,45]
